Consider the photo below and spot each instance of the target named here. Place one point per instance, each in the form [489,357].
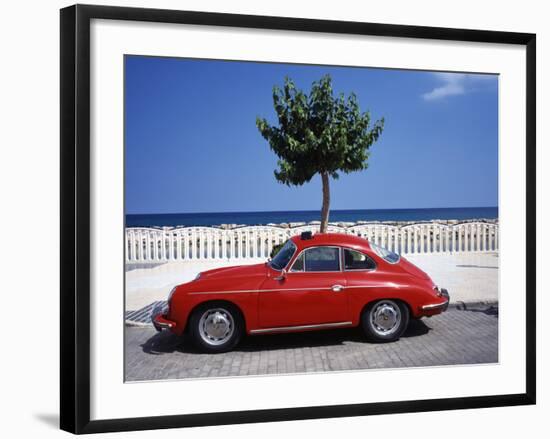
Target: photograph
[297,218]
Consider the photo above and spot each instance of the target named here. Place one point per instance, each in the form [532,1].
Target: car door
[311,293]
[362,278]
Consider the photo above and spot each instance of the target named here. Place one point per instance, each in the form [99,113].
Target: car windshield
[384,253]
[282,258]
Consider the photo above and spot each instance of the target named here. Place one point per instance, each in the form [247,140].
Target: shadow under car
[166,342]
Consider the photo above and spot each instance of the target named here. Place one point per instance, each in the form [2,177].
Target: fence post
[143,245]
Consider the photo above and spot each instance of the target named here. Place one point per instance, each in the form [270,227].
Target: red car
[314,282]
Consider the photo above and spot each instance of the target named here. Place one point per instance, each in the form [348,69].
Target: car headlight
[198,276]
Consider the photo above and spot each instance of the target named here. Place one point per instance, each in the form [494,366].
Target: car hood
[236,271]
[412,269]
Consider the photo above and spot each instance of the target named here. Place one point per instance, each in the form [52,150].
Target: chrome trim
[164,325]
[293,328]
[262,291]
[385,317]
[224,292]
[337,288]
[435,305]
[216,326]
[285,289]
[357,269]
[317,246]
[282,276]
[382,257]
[289,261]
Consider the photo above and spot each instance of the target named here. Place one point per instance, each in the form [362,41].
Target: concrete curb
[464,306]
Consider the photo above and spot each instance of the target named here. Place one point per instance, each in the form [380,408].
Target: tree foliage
[318,133]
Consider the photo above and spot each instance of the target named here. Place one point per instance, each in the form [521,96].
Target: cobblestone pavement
[454,337]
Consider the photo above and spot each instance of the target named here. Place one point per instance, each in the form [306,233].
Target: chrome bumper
[442,305]
[159,324]
[158,317]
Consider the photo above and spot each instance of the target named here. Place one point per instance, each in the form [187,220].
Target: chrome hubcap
[216,326]
[385,317]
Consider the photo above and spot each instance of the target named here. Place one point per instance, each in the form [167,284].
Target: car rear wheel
[385,320]
[216,327]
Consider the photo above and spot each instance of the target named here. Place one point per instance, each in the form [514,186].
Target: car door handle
[337,288]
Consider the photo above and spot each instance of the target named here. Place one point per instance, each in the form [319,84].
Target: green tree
[318,133]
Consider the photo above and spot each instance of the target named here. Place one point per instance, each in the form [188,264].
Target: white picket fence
[154,245]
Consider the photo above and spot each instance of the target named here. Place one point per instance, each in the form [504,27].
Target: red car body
[272,300]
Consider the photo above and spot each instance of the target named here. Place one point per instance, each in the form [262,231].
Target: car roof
[339,239]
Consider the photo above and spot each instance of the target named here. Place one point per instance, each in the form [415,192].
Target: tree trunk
[326,202]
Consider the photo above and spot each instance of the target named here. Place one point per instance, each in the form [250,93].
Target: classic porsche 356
[316,281]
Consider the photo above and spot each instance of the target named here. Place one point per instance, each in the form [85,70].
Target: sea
[295,216]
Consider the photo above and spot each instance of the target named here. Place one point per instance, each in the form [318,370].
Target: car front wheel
[216,327]
[385,320]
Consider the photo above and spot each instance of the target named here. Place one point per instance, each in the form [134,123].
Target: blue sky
[192,144]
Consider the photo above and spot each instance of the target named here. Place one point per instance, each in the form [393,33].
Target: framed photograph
[268,219]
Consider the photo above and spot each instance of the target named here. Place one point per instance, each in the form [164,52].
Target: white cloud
[453,84]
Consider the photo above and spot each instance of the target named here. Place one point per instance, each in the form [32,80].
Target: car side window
[354,260]
[321,259]
[298,263]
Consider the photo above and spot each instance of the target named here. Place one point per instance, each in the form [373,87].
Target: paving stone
[454,337]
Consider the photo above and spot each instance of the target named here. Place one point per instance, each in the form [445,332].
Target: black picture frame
[75,217]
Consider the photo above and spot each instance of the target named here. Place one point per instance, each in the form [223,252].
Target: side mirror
[282,276]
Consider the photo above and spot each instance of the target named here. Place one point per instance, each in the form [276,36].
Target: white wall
[30,203]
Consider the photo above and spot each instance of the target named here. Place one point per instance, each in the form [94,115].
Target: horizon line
[308,210]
